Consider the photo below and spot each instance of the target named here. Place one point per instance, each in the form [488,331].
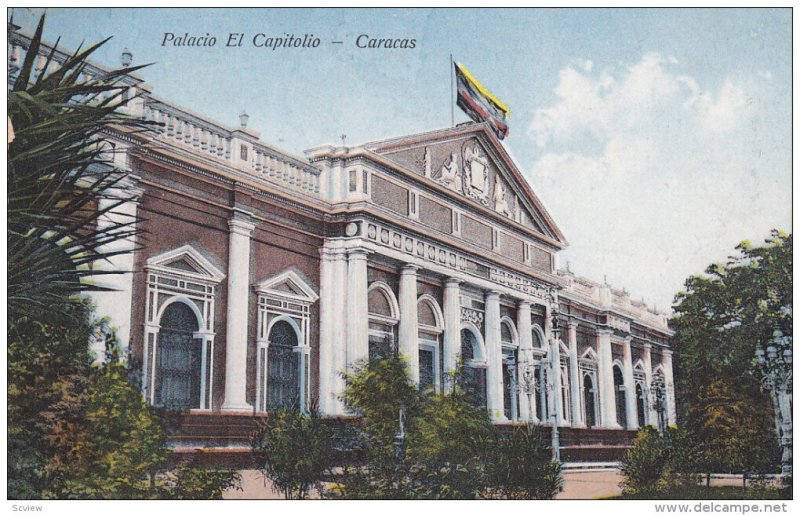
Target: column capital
[239,225]
[666,353]
[524,304]
[452,282]
[358,253]
[627,340]
[409,269]
[605,332]
[492,294]
[572,323]
[647,346]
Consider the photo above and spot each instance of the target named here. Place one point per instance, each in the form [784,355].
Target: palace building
[260,276]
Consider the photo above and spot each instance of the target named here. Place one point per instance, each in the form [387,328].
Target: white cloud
[652,176]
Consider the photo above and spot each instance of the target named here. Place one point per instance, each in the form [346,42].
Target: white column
[525,354]
[494,373]
[608,406]
[574,374]
[452,329]
[327,361]
[555,369]
[631,415]
[340,300]
[652,416]
[666,360]
[117,303]
[236,331]
[357,319]
[408,330]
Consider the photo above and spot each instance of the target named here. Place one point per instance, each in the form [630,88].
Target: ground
[577,485]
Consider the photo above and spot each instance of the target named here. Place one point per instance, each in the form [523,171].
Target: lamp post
[776,368]
[551,412]
[658,399]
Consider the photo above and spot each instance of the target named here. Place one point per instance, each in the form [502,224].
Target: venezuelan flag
[479,103]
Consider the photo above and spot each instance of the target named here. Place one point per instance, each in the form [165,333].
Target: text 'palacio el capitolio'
[260,276]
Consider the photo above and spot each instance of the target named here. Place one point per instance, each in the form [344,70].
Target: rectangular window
[364,181]
[353,186]
[244,152]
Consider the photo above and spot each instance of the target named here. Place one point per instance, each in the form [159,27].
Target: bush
[449,446]
[521,465]
[193,481]
[645,463]
[293,451]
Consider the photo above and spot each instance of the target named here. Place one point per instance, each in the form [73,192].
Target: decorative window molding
[180,275]
[285,297]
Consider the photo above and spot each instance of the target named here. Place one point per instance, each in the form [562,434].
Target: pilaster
[452,329]
[408,331]
[494,373]
[237,309]
[574,374]
[357,320]
[608,407]
[631,416]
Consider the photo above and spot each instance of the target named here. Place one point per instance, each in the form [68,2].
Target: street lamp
[658,394]
[529,385]
[777,380]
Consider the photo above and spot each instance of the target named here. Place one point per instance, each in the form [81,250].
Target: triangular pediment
[471,161]
[186,261]
[288,284]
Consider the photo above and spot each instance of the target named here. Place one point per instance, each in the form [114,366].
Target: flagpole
[452,100]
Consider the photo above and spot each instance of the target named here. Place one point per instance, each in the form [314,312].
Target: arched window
[284,348]
[179,359]
[589,400]
[508,339]
[619,396]
[541,374]
[181,290]
[473,376]
[641,402]
[566,400]
[639,379]
[283,368]
[384,315]
[431,363]
[590,403]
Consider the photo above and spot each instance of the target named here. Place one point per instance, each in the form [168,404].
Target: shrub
[449,445]
[193,481]
[645,463]
[521,465]
[293,451]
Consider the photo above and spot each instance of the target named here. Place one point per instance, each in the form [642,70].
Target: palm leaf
[62,185]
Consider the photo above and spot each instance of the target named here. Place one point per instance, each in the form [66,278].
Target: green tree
[720,319]
[645,464]
[293,451]
[521,465]
[450,444]
[377,390]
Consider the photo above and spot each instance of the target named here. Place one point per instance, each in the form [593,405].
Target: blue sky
[658,138]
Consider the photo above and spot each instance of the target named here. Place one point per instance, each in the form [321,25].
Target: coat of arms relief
[471,177]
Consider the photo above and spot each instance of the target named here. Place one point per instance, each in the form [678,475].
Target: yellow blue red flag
[478,103]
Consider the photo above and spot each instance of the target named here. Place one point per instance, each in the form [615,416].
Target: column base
[231,407]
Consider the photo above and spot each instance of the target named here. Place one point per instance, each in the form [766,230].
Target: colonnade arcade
[499,342]
[510,354]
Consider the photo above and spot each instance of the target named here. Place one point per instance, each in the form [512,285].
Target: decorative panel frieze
[472,315]
[411,245]
[619,323]
[523,284]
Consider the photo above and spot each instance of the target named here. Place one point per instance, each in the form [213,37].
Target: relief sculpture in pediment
[450,175]
[500,202]
[476,173]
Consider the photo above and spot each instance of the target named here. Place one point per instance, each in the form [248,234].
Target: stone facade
[289,269]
